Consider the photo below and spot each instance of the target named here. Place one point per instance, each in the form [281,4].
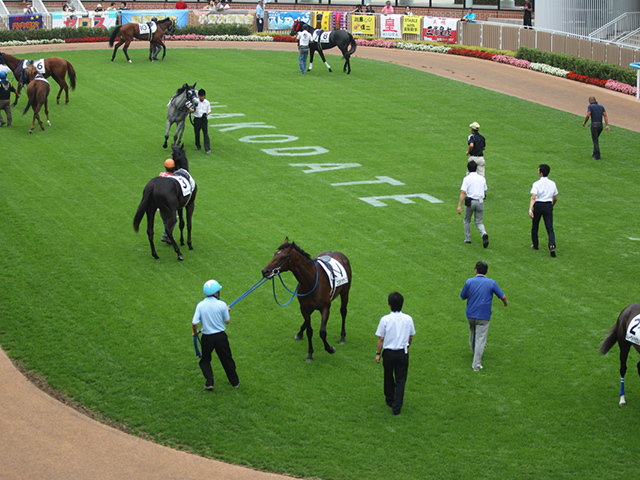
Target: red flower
[284,38]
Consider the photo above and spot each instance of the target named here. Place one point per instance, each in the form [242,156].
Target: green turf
[85,304]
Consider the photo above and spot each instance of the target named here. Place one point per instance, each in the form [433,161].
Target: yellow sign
[363,25]
[411,24]
[322,20]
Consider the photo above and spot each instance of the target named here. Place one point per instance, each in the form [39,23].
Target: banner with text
[284,20]
[322,20]
[84,19]
[411,24]
[207,17]
[439,29]
[142,16]
[363,25]
[25,22]
[391,26]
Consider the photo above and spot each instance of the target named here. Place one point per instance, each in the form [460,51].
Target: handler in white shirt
[395,333]
[472,192]
[544,195]
[200,121]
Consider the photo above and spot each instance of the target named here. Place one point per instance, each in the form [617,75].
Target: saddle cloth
[335,272]
[320,36]
[185,180]
[39,64]
[41,78]
[633,332]
[149,27]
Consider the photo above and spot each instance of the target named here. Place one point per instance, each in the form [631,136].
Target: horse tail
[28,105]
[352,43]
[142,208]
[610,341]
[72,75]
[114,34]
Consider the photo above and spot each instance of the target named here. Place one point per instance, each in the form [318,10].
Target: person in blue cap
[5,98]
[213,316]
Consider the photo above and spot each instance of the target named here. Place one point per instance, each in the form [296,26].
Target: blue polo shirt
[478,292]
[211,313]
[597,111]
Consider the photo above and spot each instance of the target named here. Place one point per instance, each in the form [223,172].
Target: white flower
[548,69]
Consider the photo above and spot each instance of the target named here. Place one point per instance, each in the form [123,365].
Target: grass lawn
[85,305]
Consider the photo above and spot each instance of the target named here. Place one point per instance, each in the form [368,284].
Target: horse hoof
[309,359]
[180,258]
[30,132]
[298,337]
[129,61]
[156,256]
[342,341]
[48,123]
[622,401]
[190,247]
[331,350]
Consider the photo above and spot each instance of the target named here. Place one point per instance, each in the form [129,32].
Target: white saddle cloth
[633,332]
[335,271]
[144,28]
[185,180]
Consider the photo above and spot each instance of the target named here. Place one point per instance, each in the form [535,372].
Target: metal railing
[618,26]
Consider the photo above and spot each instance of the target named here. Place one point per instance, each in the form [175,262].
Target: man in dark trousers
[597,114]
[528,11]
[544,195]
[213,314]
[5,98]
[395,333]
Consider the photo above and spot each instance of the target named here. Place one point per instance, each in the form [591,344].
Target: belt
[596,123]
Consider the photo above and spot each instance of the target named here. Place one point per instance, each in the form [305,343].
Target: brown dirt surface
[46,435]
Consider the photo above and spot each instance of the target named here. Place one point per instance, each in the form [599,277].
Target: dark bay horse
[130,30]
[628,321]
[54,67]
[166,194]
[324,40]
[38,93]
[315,291]
[186,97]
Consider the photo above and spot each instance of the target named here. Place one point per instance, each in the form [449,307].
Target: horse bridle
[276,270]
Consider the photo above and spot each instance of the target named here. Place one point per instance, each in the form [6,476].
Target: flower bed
[89,40]
[465,52]
[363,42]
[548,69]
[516,62]
[620,87]
[284,38]
[585,79]
[422,47]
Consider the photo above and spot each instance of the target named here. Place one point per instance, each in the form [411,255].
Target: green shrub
[582,66]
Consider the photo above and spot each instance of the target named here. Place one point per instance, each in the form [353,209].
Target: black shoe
[485,240]
[552,251]
[208,387]
[197,149]
[396,412]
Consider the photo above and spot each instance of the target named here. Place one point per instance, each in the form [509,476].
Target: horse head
[179,157]
[280,261]
[296,27]
[30,73]
[172,26]
[192,95]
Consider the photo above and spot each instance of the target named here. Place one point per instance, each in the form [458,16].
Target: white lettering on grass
[215,116]
[268,139]
[324,167]
[383,179]
[295,151]
[228,127]
[375,201]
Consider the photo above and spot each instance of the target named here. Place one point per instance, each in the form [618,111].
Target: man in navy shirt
[478,292]
[597,113]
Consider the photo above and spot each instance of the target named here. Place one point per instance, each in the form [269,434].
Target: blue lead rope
[254,287]
[196,340]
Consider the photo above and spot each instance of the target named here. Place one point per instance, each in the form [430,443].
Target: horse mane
[296,248]
[182,89]
[180,157]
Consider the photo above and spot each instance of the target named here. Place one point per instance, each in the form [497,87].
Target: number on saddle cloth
[320,36]
[633,332]
[149,27]
[185,180]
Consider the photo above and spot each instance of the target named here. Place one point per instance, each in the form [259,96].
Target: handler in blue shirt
[596,113]
[213,314]
[478,292]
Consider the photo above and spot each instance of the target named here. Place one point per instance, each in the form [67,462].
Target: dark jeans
[542,210]
[395,364]
[220,343]
[200,124]
[260,24]
[596,130]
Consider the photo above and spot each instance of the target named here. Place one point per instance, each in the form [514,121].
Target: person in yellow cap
[169,167]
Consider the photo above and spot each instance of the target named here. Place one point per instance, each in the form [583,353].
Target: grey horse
[185,99]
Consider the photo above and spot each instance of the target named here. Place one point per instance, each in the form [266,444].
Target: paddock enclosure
[369,164]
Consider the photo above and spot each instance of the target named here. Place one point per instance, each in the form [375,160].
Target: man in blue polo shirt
[478,292]
[597,114]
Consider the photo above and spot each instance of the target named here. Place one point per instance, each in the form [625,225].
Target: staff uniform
[477,152]
[304,38]
[475,186]
[5,101]
[396,328]
[200,124]
[544,189]
[212,314]
[478,291]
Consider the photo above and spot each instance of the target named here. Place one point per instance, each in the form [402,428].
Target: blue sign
[25,22]
[284,20]
[142,16]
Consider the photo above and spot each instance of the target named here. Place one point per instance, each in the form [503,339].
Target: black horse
[167,195]
[324,40]
[628,323]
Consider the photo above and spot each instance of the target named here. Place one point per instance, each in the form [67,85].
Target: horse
[54,67]
[166,194]
[318,291]
[38,93]
[186,97]
[130,30]
[628,323]
[325,40]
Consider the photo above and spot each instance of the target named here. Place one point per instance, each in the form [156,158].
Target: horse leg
[63,86]
[323,329]
[321,53]
[17,94]
[624,353]
[166,134]
[125,50]
[177,138]
[190,209]
[115,49]
[307,326]
[46,110]
[151,214]
[181,225]
[171,223]
[300,334]
[344,300]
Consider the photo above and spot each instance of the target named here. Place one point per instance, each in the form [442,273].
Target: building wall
[580,17]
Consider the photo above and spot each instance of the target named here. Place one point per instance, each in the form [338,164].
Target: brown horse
[628,322]
[317,290]
[130,30]
[54,67]
[38,93]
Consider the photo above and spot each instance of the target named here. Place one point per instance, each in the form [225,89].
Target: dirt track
[43,438]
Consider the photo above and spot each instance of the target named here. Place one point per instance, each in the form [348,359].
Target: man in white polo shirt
[395,333]
[543,198]
[472,193]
